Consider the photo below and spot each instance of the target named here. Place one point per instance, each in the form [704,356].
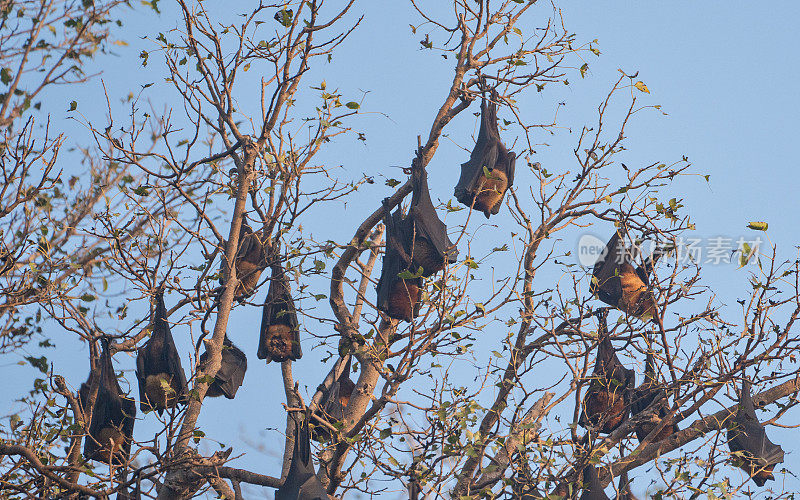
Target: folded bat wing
[301,482]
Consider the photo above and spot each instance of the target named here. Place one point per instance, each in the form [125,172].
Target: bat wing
[231,373]
[606,283]
[141,378]
[279,309]
[748,435]
[592,487]
[425,219]
[395,257]
[301,482]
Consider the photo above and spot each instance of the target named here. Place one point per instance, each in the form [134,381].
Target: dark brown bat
[279,339]
[301,483]
[250,261]
[113,416]
[489,173]
[231,372]
[429,247]
[592,487]
[617,283]
[644,395]
[85,389]
[607,401]
[398,297]
[332,409]
[747,440]
[162,383]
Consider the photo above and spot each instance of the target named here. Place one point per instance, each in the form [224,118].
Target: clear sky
[725,73]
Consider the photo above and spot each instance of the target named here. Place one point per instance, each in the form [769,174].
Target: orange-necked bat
[617,283]
[250,261]
[231,372]
[592,487]
[162,383]
[429,247]
[332,409]
[113,416]
[301,483]
[748,441]
[489,173]
[398,298]
[279,339]
[607,401]
[644,395]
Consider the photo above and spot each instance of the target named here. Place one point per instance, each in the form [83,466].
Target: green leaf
[353,105]
[5,76]
[758,226]
[73,106]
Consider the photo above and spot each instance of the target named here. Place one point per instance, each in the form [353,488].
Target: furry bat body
[332,410]
[162,383]
[113,416]
[756,454]
[643,397]
[231,372]
[489,173]
[279,339]
[607,401]
[618,283]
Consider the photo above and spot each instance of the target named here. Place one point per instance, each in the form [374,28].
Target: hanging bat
[162,383]
[113,416]
[231,372]
[592,487]
[607,401]
[85,390]
[489,173]
[332,410]
[429,246]
[279,339]
[398,297]
[250,261]
[644,395]
[301,483]
[617,283]
[748,441]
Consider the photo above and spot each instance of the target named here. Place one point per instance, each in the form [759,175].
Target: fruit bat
[113,416]
[301,482]
[429,247]
[756,454]
[231,372]
[85,390]
[490,169]
[644,395]
[617,283]
[592,487]
[250,261]
[398,297]
[162,383]
[280,334]
[607,401]
[332,410]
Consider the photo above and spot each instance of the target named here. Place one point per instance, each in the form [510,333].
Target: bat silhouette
[489,173]
[250,261]
[113,416]
[301,483]
[607,401]
[747,440]
[429,247]
[617,283]
[398,297]
[592,487]
[231,372]
[162,383]
[644,395]
[85,390]
[332,409]
[279,339]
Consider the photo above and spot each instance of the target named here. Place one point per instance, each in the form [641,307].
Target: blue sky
[725,74]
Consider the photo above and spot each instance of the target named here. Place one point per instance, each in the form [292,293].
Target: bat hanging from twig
[753,451]
[162,383]
[607,401]
[113,416]
[301,482]
[650,391]
[231,371]
[489,173]
[279,339]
